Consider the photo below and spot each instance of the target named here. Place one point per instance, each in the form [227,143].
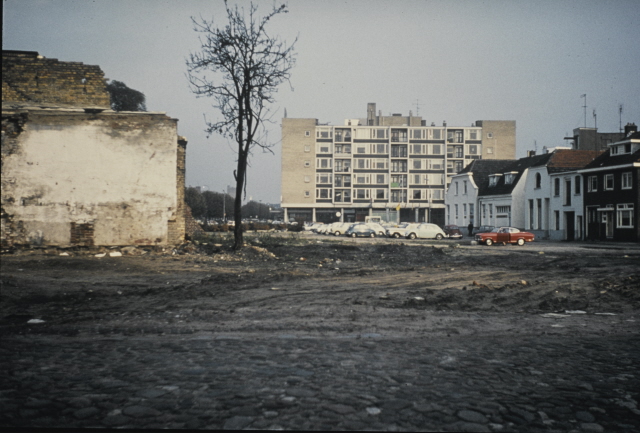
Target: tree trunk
[237,205]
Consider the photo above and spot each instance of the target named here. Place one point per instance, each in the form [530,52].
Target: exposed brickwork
[82,234]
[177,226]
[192,228]
[29,77]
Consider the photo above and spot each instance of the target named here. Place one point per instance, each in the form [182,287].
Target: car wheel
[337,233]
[380,234]
[396,235]
[353,235]
[438,236]
[520,242]
[488,242]
[372,235]
[412,236]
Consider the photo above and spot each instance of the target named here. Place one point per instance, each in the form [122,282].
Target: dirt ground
[307,284]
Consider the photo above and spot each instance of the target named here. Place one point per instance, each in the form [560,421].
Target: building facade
[612,191]
[395,167]
[76,173]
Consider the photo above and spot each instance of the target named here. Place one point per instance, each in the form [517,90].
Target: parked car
[360,230]
[452,231]
[505,235]
[425,231]
[338,229]
[483,229]
[378,228]
[397,231]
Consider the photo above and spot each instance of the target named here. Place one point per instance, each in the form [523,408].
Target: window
[464,184]
[577,184]
[381,194]
[380,148]
[464,210]
[435,164]
[381,179]
[626,180]
[399,151]
[459,151]
[307,179]
[484,211]
[323,147]
[531,214]
[437,134]
[323,193]
[608,182]
[509,178]
[455,206]
[490,150]
[398,166]
[307,148]
[323,178]
[416,134]
[418,149]
[436,149]
[625,215]
[489,134]
[417,164]
[307,163]
[592,183]
[418,194]
[503,211]
[556,187]
[398,180]
[493,179]
[380,164]
[473,149]
[324,132]
[471,212]
[343,149]
[307,133]
[324,163]
[436,194]
[567,192]
[399,195]
[307,194]
[456,188]
[490,211]
[538,181]
[362,163]
[362,178]
[556,218]
[362,194]
[342,196]
[362,148]
[449,151]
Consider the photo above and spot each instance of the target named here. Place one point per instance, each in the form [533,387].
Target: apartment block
[395,167]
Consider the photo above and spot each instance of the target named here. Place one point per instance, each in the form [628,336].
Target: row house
[612,191]
[540,193]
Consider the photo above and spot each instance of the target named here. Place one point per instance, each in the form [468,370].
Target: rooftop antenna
[417,107]
[585,108]
[620,109]
[595,119]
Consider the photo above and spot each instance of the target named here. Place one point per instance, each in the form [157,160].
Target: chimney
[629,129]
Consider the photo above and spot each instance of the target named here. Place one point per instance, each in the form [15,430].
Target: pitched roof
[608,160]
[480,170]
[569,160]
[518,167]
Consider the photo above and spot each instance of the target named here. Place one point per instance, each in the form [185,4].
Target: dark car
[483,229]
[360,230]
[453,231]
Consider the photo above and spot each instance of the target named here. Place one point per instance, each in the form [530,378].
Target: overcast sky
[456,61]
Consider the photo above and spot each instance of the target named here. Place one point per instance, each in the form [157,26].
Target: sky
[446,60]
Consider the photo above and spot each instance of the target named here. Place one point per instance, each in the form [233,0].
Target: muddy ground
[306,285]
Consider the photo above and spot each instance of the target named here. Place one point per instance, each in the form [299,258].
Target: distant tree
[124,98]
[253,209]
[248,65]
[196,202]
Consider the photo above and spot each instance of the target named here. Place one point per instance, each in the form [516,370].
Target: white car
[339,228]
[424,231]
[397,231]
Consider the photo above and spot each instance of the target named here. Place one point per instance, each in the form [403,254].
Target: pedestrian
[470,228]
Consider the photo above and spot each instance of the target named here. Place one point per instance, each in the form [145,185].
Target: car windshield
[495,230]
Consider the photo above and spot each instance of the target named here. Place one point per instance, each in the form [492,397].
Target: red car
[505,235]
[453,231]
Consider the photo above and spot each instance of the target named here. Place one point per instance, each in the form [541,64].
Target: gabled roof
[518,167]
[570,160]
[480,170]
[608,160]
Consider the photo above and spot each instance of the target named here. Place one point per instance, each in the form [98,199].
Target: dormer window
[493,179]
[510,177]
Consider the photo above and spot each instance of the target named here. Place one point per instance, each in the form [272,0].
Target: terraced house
[395,167]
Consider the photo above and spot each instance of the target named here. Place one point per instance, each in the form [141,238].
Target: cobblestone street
[544,383]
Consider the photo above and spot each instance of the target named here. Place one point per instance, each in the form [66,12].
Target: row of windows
[396,151]
[396,134]
[396,180]
[609,183]
[394,195]
[456,209]
[395,166]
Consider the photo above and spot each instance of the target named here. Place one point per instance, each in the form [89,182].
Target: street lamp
[224,207]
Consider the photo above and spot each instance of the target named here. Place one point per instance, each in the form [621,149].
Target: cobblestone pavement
[509,383]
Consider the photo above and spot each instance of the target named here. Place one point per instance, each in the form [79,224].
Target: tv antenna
[620,109]
[585,108]
[417,107]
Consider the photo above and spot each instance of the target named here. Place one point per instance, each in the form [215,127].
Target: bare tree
[248,66]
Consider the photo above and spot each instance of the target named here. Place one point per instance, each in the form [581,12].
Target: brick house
[612,190]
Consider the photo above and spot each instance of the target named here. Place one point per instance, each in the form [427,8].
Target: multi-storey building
[395,167]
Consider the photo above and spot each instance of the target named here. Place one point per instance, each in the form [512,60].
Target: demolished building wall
[88,176]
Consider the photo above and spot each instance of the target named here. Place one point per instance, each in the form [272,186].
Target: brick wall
[177,226]
[29,77]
